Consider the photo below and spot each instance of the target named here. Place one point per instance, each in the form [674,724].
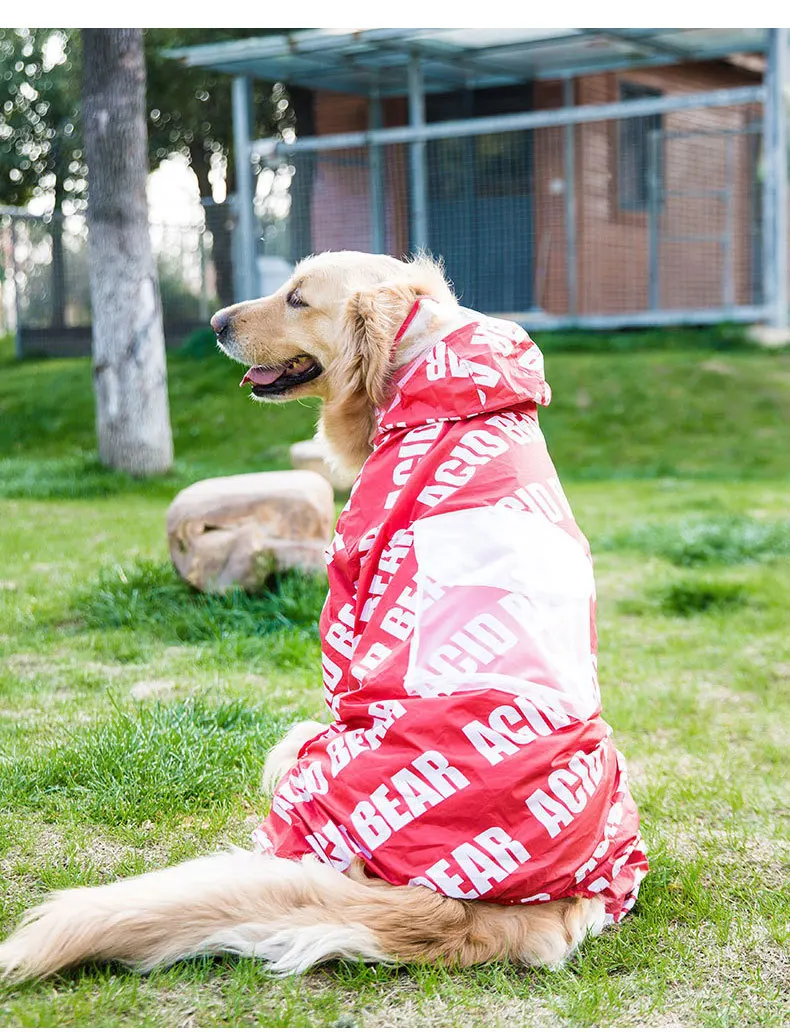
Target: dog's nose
[220,321]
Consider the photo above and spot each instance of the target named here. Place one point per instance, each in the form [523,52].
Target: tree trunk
[129,367]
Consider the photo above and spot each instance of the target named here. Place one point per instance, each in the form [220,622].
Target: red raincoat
[467,752]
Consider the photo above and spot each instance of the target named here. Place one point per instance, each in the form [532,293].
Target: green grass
[711,541]
[157,764]
[135,713]
[640,414]
[690,596]
[150,598]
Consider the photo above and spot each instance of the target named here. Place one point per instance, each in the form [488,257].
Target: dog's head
[329,330]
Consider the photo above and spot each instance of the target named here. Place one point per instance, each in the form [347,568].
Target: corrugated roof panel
[355,60]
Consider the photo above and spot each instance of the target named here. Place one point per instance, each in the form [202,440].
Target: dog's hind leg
[437,929]
[540,934]
[283,755]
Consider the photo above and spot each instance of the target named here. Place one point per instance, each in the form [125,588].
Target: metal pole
[378,234]
[246,280]
[419,191]
[776,194]
[204,308]
[570,200]
[728,239]
[654,285]
[579,115]
[17,305]
[768,197]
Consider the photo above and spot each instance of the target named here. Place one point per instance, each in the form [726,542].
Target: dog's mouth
[270,380]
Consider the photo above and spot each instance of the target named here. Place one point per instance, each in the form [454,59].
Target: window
[489,165]
[639,146]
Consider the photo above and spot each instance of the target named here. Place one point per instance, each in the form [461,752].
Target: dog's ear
[371,320]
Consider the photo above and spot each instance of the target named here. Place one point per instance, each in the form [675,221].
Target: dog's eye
[295,299]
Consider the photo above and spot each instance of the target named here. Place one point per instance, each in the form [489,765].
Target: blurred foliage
[40,134]
[189,111]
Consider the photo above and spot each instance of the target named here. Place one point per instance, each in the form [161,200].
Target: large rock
[312,455]
[239,530]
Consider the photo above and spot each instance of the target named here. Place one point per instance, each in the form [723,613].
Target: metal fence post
[570,199]
[204,306]
[728,239]
[419,192]
[378,235]
[17,307]
[246,279]
[653,209]
[775,187]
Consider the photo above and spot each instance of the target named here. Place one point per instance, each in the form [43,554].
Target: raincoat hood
[466,364]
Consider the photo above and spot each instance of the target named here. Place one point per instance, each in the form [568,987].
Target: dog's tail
[290,914]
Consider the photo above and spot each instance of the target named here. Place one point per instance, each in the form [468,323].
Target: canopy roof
[361,60]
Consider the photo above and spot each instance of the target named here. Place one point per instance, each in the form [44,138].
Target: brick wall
[341,206]
[612,243]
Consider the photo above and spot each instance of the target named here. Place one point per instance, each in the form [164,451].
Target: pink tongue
[260,376]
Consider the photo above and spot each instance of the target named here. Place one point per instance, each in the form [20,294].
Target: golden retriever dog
[502,827]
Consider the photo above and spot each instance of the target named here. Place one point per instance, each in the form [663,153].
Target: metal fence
[45,286]
[554,217]
[641,213]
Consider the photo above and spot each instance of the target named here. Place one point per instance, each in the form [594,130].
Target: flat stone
[312,455]
[770,336]
[236,531]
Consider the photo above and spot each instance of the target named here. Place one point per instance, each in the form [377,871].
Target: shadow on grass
[716,541]
[79,476]
[149,598]
[729,337]
[690,596]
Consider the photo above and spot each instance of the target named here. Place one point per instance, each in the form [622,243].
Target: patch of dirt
[420,1011]
[637,772]
[715,365]
[89,846]
[256,681]
[721,976]
[151,689]
[108,670]
[711,691]
[28,664]
[52,845]
[765,855]
[21,715]
[178,652]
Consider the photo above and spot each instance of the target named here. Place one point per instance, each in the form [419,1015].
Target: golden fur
[354,304]
[295,914]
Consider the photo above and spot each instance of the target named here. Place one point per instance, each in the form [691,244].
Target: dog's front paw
[283,756]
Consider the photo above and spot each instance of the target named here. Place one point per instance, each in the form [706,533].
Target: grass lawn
[134,715]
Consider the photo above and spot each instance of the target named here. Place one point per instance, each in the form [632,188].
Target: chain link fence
[45,282]
[641,219]
[634,220]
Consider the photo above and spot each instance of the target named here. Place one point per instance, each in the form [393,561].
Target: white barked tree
[129,367]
